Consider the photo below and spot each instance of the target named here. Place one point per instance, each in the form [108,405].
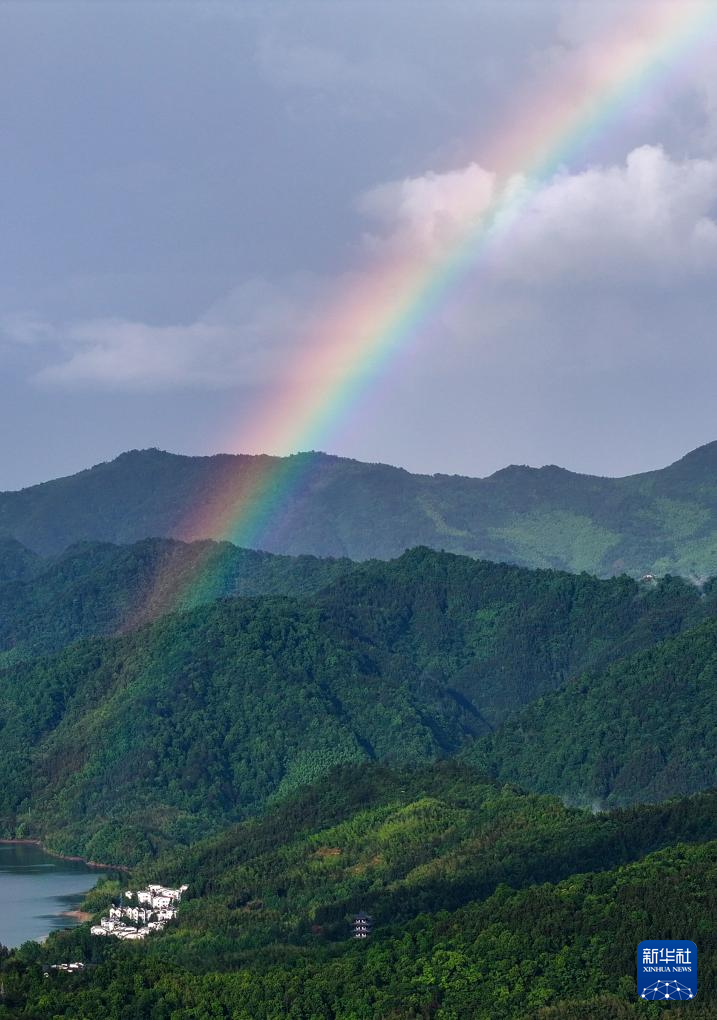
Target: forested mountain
[398,842]
[98,588]
[645,728]
[660,521]
[502,635]
[488,904]
[285,752]
[116,746]
[17,563]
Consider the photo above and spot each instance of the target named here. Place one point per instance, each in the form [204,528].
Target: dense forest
[660,521]
[96,588]
[300,739]
[115,747]
[644,729]
[488,903]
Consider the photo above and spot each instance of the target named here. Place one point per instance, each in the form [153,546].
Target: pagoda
[362,925]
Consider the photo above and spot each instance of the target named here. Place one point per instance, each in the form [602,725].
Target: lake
[35,889]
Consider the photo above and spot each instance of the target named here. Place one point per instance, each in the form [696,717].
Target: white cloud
[426,212]
[237,341]
[649,215]
[597,273]
[628,233]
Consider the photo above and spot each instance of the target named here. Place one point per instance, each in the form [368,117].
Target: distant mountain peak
[702,456]
[658,522]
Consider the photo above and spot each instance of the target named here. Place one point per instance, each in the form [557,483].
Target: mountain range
[662,521]
[487,903]
[122,737]
[511,767]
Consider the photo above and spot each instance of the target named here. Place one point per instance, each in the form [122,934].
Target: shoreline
[64,857]
[78,915]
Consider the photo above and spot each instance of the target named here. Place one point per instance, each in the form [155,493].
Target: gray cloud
[173,234]
[237,341]
[647,223]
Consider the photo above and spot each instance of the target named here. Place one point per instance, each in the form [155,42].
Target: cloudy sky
[189,191]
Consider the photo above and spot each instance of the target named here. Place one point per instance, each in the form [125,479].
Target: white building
[156,905]
[163,890]
[70,968]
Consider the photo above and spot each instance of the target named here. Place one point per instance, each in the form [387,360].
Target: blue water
[35,889]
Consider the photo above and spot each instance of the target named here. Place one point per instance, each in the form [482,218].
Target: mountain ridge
[698,453]
[645,723]
[115,746]
[99,588]
[661,521]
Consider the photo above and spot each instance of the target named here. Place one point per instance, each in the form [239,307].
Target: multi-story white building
[156,905]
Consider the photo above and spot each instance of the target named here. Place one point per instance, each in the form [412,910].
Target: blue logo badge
[667,969]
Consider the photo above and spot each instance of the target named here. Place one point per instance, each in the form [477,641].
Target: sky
[186,186]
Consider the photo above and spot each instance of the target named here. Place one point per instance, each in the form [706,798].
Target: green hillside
[116,746]
[501,635]
[397,843]
[16,562]
[97,588]
[661,522]
[488,904]
[645,729]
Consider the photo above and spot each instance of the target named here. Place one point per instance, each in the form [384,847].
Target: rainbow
[378,310]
